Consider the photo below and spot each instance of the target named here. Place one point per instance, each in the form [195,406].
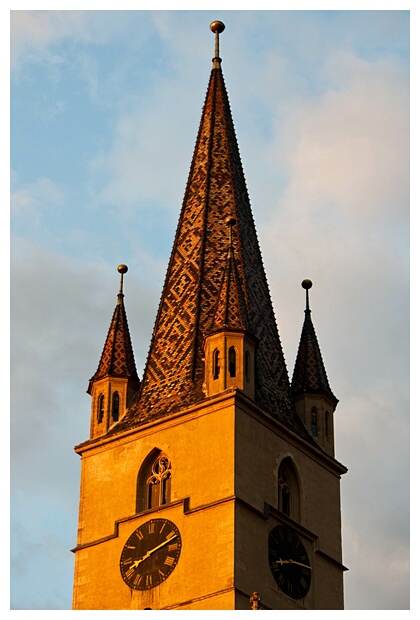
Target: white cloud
[31,201]
[32,32]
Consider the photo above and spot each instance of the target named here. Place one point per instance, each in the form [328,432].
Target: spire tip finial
[216,27]
[307,284]
[122,269]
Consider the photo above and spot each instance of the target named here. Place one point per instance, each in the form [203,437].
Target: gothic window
[115,406]
[327,424]
[216,364]
[288,489]
[232,362]
[101,408]
[314,422]
[247,366]
[154,482]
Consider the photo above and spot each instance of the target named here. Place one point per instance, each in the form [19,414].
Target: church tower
[209,487]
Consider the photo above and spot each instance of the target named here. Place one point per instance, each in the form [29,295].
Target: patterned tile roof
[198,280]
[117,359]
[309,374]
[231,306]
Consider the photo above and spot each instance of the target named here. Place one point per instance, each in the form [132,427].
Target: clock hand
[293,562]
[149,553]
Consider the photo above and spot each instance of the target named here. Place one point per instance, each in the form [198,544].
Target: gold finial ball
[217,27]
[122,268]
[230,221]
[306,284]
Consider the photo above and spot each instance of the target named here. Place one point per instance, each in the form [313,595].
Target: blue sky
[105,107]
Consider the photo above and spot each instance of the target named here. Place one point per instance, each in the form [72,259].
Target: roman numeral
[173,547]
[169,561]
[151,528]
[129,573]
[139,535]
[149,580]
[171,534]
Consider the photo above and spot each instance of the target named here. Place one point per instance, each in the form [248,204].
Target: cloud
[30,202]
[342,220]
[33,32]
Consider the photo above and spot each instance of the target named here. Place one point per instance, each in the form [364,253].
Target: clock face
[150,554]
[289,562]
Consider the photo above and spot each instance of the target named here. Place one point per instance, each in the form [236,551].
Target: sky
[104,112]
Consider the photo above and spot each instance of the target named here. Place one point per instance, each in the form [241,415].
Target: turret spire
[117,359]
[115,381]
[309,374]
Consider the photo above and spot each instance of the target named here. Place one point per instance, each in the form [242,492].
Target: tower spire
[216,189]
[116,373]
[309,374]
[311,390]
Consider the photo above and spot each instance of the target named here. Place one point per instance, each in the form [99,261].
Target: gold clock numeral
[171,534]
[137,580]
[128,561]
[173,547]
[169,560]
[149,580]
[151,527]
[129,573]
[139,535]
[162,528]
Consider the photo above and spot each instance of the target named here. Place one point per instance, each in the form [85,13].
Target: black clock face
[289,562]
[150,554]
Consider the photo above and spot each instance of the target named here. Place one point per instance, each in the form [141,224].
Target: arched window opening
[159,483]
[154,482]
[247,367]
[284,493]
[216,364]
[327,424]
[314,422]
[115,406]
[101,408]
[288,489]
[232,362]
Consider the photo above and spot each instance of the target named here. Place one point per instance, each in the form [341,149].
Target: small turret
[115,382]
[229,348]
[314,400]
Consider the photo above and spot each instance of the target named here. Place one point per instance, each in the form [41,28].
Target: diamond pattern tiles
[215,190]
[309,374]
[117,359]
[231,307]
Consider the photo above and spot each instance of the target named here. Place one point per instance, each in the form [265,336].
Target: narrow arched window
[247,366]
[288,489]
[115,406]
[314,422]
[158,484]
[327,424]
[232,362]
[216,364]
[101,408]
[154,481]
[284,492]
